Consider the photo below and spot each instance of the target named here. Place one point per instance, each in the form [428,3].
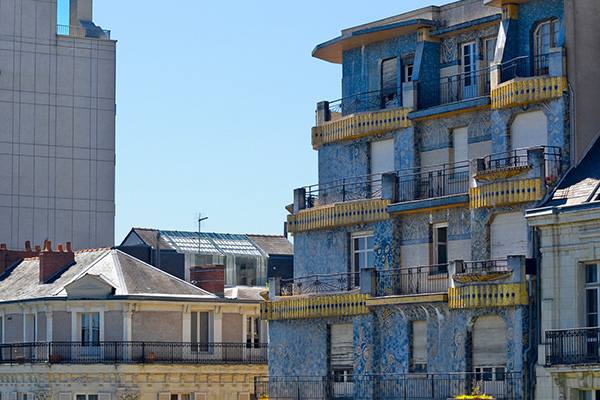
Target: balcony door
[90,335]
[389,83]
[490,354]
[381,160]
[341,363]
[469,65]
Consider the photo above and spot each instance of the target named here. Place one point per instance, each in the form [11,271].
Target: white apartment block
[57,126]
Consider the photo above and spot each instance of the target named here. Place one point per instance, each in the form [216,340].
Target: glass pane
[174,397]
[442,235]
[591,273]
[92,397]
[360,257]
[592,320]
[370,242]
[442,254]
[359,244]
[80,397]
[194,326]
[592,300]
[370,262]
[203,327]
[185,396]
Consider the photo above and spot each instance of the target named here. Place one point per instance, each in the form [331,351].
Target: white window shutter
[103,396]
[199,396]
[243,396]
[65,396]
[163,396]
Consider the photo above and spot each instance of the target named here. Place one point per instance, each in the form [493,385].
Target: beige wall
[232,328]
[159,326]
[480,149]
[61,326]
[41,326]
[13,328]
[113,326]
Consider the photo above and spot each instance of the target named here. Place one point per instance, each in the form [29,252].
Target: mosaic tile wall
[530,13]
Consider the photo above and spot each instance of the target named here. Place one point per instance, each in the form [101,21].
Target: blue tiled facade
[382,337]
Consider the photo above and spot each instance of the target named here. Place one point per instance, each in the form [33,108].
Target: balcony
[133,353]
[413,280]
[435,386]
[525,67]
[577,346]
[359,114]
[90,32]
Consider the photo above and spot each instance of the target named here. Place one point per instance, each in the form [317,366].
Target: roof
[273,245]
[244,292]
[580,184]
[127,275]
[144,236]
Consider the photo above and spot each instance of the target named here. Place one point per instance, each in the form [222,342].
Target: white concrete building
[57,126]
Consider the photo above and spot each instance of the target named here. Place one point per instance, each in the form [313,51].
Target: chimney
[9,257]
[210,278]
[80,10]
[53,261]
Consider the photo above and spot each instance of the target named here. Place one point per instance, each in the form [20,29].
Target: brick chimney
[53,261]
[9,257]
[210,278]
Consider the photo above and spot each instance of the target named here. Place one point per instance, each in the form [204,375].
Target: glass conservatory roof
[212,243]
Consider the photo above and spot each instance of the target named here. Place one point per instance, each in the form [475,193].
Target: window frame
[253,331]
[441,267]
[591,287]
[197,344]
[354,268]
[86,396]
[90,340]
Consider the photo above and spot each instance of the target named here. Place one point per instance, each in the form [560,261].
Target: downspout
[572,116]
[531,352]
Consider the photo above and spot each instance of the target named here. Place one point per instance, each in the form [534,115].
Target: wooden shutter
[64,396]
[419,342]
[489,342]
[103,396]
[199,396]
[342,347]
[508,235]
[164,396]
[389,75]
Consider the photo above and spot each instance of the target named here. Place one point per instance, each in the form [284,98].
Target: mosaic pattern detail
[501,193]
[358,125]
[502,173]
[514,294]
[435,133]
[527,91]
[338,215]
[423,35]
[450,44]
[314,307]
[416,227]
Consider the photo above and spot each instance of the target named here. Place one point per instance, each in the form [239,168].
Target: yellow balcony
[315,307]
[527,90]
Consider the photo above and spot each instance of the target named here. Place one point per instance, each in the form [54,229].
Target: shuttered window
[489,342]
[389,83]
[341,346]
[200,331]
[508,235]
[419,347]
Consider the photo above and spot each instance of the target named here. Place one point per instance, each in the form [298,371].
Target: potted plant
[149,358]
[474,394]
[54,358]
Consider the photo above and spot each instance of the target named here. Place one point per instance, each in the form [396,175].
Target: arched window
[545,37]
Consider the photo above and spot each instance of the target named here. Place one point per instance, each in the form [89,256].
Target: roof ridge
[92,250]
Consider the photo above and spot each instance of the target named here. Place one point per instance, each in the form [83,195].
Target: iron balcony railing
[573,346]
[485,267]
[453,88]
[525,67]
[366,101]
[413,280]
[416,386]
[412,184]
[312,284]
[518,158]
[133,353]
[83,32]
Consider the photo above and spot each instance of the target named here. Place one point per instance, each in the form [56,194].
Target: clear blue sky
[215,102]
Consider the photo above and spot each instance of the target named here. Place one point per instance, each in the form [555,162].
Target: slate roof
[273,245]
[580,184]
[147,237]
[130,276]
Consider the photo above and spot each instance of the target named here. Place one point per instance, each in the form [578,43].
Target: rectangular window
[341,360]
[407,73]
[362,254]
[86,397]
[389,83]
[440,247]
[200,330]
[592,286]
[252,331]
[418,359]
[90,328]
[489,49]
[181,396]
[589,395]
[469,66]
[246,270]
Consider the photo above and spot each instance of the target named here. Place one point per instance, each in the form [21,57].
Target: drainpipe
[532,348]
[572,116]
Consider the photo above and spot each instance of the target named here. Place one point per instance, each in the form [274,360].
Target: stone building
[414,267]
[101,325]
[57,126]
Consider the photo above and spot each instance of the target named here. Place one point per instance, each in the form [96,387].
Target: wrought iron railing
[366,101]
[353,188]
[573,346]
[330,283]
[434,181]
[453,88]
[417,386]
[525,67]
[133,352]
[413,280]
[83,32]
[518,158]
[485,267]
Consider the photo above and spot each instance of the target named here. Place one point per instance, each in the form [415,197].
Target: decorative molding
[473,296]
[522,91]
[502,173]
[510,11]
[359,125]
[502,193]
[423,35]
[415,299]
[337,215]
[128,394]
[315,307]
[42,394]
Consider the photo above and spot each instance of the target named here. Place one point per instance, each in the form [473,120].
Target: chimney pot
[47,245]
[60,248]
[27,245]
[3,246]
[69,247]
[38,248]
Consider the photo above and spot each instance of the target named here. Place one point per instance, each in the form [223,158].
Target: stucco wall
[158,326]
[61,326]
[13,328]
[113,326]
[41,326]
[232,328]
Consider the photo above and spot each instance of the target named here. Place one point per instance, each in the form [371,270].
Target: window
[489,50]
[341,360]
[389,83]
[460,149]
[252,331]
[86,397]
[90,328]
[469,66]
[246,269]
[592,286]
[362,254]
[589,395]
[440,247]
[418,359]
[200,330]
[179,396]
[407,73]
[545,36]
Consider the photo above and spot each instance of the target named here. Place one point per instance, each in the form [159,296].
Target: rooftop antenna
[200,219]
